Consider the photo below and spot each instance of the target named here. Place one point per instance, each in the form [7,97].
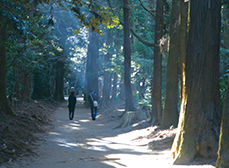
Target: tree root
[130,117]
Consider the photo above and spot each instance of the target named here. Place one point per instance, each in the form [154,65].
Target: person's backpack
[95,103]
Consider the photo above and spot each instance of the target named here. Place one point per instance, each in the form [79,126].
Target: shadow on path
[83,143]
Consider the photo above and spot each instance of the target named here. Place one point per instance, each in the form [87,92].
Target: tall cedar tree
[182,46]
[59,89]
[129,106]
[157,73]
[199,121]
[170,114]
[92,66]
[106,82]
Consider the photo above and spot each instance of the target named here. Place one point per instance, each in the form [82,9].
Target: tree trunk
[106,72]
[199,120]
[115,81]
[130,115]
[59,90]
[170,115]
[129,106]
[92,67]
[4,103]
[157,73]
[122,91]
[183,42]
[223,153]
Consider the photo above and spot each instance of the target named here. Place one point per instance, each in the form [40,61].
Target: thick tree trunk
[115,81]
[129,114]
[170,115]
[129,106]
[92,66]
[157,73]
[4,103]
[199,121]
[106,82]
[223,153]
[122,91]
[183,42]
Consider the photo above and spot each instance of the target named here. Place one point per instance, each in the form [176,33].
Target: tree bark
[182,46]
[199,120]
[4,103]
[115,81]
[223,153]
[170,115]
[157,73]
[106,72]
[122,91]
[129,106]
[92,66]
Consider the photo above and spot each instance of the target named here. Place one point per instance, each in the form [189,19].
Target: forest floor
[42,136]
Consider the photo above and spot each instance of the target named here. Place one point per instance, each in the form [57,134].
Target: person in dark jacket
[71,105]
[93,97]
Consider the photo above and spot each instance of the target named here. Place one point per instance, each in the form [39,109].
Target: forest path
[83,143]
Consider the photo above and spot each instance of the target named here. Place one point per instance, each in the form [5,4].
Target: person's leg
[92,114]
[72,114]
[95,112]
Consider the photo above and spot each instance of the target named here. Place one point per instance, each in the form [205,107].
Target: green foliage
[224,50]
[28,47]
[42,87]
[224,71]
[91,14]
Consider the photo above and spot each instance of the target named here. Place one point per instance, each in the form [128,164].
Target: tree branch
[146,9]
[134,32]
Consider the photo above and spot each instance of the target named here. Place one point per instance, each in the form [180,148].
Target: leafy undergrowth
[19,133]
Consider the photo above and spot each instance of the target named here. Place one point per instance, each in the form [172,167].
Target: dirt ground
[83,143]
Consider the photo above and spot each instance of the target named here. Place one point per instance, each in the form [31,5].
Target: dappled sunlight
[54,133]
[119,110]
[98,148]
[131,160]
[74,125]
[61,108]
[63,143]
[90,142]
[84,121]
[69,127]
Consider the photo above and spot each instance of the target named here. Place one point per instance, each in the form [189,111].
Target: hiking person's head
[72,93]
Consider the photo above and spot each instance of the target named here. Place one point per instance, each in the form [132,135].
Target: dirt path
[83,143]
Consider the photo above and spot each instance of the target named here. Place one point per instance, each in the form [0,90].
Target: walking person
[71,105]
[93,100]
